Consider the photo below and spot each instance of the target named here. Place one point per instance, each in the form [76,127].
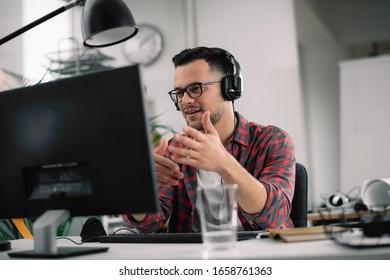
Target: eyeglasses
[193,90]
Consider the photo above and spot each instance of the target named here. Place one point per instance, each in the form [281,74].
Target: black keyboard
[192,237]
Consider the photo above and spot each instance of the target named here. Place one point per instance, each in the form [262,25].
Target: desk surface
[249,249]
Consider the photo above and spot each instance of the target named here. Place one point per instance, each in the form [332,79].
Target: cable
[70,239]
[125,229]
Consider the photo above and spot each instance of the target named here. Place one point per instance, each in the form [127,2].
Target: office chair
[299,202]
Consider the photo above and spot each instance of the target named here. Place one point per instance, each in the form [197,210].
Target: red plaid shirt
[266,152]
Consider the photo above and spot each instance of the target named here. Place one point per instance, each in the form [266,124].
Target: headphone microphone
[177,106]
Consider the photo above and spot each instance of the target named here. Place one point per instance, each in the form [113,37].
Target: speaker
[231,85]
[375,194]
[91,230]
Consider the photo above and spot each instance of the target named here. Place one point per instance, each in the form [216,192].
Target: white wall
[11,54]
[365,115]
[320,81]
[26,53]
[43,39]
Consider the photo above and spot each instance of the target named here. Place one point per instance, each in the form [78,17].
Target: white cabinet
[364,120]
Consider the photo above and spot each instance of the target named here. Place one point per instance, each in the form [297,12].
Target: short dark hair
[218,59]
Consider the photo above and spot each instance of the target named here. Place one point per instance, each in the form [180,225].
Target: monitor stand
[45,243]
[5,245]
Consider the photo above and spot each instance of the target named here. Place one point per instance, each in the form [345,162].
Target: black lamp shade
[107,22]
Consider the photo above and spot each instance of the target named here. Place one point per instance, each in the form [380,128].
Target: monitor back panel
[80,143]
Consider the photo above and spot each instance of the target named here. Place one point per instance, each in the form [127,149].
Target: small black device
[75,147]
[92,229]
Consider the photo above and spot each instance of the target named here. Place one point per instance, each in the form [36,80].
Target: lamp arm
[68,6]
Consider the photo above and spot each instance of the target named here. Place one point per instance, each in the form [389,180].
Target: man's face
[211,99]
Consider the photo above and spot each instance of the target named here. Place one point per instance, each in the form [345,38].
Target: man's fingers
[162,147]
[167,171]
[163,179]
[207,125]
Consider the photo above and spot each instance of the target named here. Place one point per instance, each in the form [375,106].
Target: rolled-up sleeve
[273,159]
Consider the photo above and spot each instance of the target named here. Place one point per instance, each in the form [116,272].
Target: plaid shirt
[266,152]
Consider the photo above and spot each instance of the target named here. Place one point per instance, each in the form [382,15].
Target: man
[219,146]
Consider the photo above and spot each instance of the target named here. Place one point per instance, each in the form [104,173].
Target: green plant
[8,230]
[158,129]
[10,80]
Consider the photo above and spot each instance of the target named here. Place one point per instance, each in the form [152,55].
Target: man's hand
[167,171]
[202,150]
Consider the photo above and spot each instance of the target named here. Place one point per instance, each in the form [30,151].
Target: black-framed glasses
[194,90]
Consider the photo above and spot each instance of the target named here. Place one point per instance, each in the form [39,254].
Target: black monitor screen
[80,144]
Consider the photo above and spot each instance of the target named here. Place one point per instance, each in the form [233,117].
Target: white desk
[267,249]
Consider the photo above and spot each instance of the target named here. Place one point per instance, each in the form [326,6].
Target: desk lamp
[105,23]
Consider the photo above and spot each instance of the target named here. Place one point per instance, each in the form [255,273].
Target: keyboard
[191,237]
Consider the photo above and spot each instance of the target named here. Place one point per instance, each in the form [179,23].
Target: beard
[215,116]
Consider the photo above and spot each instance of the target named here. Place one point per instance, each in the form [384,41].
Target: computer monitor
[79,146]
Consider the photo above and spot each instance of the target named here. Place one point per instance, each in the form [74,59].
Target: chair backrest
[299,202]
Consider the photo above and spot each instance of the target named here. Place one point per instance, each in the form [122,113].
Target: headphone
[231,85]
[376,194]
[337,200]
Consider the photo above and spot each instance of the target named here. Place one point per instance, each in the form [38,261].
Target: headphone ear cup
[376,194]
[231,87]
